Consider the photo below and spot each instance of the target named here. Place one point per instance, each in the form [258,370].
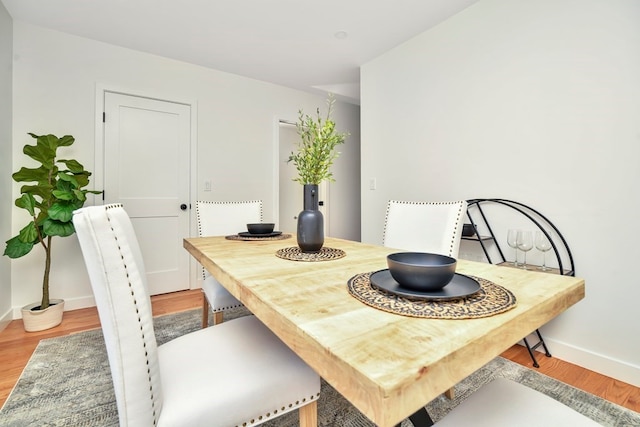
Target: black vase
[310,222]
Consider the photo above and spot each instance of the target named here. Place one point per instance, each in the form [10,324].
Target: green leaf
[26,201]
[16,248]
[82,178]
[50,141]
[73,165]
[62,211]
[80,195]
[29,234]
[68,178]
[66,140]
[52,227]
[40,174]
[41,152]
[62,194]
[64,185]
[43,191]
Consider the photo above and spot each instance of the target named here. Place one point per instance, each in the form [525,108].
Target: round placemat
[325,254]
[489,300]
[282,236]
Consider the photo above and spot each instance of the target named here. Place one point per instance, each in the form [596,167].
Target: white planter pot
[39,320]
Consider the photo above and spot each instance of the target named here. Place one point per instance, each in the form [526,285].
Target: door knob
[183,207]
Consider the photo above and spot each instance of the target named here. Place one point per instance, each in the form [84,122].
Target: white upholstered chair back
[434,227]
[225,218]
[116,270]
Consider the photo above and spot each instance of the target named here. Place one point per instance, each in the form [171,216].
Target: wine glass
[543,245]
[525,244]
[512,241]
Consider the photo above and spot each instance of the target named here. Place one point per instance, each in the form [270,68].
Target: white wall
[6,58]
[55,82]
[535,101]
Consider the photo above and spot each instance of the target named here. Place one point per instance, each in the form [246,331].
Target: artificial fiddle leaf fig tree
[57,189]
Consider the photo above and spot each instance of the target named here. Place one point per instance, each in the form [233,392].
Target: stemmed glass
[543,245]
[512,241]
[525,244]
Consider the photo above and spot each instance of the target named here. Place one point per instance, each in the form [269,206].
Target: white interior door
[147,169]
[290,201]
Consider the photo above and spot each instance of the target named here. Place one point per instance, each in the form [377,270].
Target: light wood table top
[386,365]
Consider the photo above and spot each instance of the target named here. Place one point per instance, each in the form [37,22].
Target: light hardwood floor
[16,347]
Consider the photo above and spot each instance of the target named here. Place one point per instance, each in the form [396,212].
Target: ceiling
[314,46]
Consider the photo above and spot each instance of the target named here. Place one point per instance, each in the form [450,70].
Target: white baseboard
[69,304]
[5,320]
[604,365]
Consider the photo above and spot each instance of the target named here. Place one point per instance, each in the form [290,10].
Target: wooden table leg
[451,393]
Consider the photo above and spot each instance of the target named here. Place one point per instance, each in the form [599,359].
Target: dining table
[387,364]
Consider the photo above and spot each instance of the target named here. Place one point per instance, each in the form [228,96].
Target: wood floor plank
[17,346]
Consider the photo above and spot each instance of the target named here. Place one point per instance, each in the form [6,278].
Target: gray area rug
[67,382]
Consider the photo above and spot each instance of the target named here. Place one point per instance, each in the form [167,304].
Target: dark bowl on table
[261,228]
[421,271]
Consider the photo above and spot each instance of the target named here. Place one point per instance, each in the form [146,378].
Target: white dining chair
[220,219]
[434,227]
[503,402]
[235,374]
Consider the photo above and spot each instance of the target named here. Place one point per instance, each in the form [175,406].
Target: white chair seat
[218,297]
[191,363]
[506,403]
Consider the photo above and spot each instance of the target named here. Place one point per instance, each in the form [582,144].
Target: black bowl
[261,228]
[468,230]
[421,271]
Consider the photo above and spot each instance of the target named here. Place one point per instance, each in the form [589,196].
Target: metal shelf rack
[564,258]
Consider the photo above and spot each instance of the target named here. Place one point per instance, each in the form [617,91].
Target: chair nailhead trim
[227,308]
[275,411]
[135,302]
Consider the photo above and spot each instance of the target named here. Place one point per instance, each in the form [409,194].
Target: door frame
[325,185]
[99,167]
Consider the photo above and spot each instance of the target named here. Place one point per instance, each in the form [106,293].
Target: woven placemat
[294,253]
[282,236]
[489,300]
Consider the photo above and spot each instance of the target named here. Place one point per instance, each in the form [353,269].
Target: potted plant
[56,190]
[313,160]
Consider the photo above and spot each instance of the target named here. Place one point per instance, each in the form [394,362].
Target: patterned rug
[67,382]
